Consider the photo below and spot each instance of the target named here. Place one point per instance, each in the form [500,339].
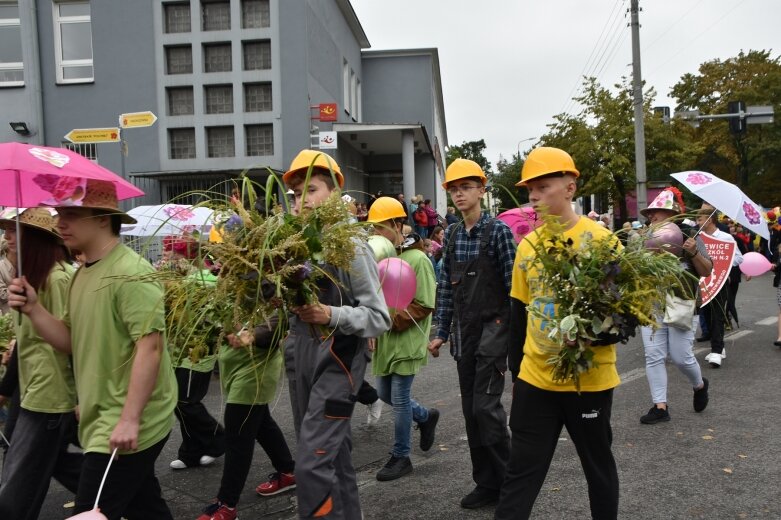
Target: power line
[672,25]
[597,45]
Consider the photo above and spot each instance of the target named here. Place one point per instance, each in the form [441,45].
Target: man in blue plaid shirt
[473,308]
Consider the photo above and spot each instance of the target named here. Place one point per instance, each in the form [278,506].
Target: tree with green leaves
[752,160]
[472,150]
[507,174]
[600,139]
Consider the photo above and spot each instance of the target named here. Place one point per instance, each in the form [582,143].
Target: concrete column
[408,163]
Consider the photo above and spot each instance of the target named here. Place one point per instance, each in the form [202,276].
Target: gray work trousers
[327,376]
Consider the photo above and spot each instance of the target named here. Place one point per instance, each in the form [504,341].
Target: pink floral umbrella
[521,221]
[32,175]
[725,197]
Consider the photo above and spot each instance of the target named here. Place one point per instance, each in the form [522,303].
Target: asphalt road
[721,464]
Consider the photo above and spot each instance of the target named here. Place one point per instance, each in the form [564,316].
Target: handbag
[678,312]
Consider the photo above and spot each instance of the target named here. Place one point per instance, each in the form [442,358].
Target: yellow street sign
[137,119]
[93,135]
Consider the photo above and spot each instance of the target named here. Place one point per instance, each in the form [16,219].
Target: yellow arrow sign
[137,119]
[93,135]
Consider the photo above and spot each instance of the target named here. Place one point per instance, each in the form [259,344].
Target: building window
[255,14]
[73,42]
[260,139]
[219,99]
[88,150]
[257,97]
[257,55]
[178,59]
[180,101]
[11,62]
[216,15]
[346,86]
[177,18]
[353,94]
[358,102]
[217,57]
[219,141]
[181,143]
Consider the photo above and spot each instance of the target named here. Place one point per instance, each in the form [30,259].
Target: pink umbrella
[32,175]
[520,220]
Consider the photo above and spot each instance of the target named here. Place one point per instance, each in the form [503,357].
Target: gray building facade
[236,85]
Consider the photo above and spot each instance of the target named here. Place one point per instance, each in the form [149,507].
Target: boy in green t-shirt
[113,327]
[402,351]
[328,371]
[542,406]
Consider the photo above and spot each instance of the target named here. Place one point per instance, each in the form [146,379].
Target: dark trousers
[244,425]
[715,316]
[482,384]
[366,394]
[536,420]
[734,285]
[131,490]
[38,452]
[201,433]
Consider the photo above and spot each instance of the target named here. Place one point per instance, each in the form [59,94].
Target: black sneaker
[655,415]
[396,467]
[701,396]
[428,428]
[480,497]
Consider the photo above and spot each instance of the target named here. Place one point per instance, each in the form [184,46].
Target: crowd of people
[92,368]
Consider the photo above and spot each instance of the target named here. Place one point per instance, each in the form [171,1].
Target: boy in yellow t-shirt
[542,406]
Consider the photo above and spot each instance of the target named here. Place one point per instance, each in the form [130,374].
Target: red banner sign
[721,253]
[328,112]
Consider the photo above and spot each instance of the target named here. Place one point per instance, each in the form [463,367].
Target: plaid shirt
[467,247]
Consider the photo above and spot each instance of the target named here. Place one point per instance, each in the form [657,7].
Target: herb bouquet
[6,330]
[598,289]
[271,261]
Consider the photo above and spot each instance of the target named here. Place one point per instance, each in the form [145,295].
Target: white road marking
[772,320]
[738,334]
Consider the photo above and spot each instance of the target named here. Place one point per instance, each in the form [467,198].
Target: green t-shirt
[249,375]
[404,352]
[46,375]
[109,309]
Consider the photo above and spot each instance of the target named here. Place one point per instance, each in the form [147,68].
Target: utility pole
[637,88]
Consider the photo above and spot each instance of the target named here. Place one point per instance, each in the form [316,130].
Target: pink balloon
[667,237]
[93,514]
[399,283]
[754,264]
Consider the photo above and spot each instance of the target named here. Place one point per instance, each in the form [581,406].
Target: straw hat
[39,218]
[100,195]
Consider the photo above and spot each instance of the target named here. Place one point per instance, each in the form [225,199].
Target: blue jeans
[395,390]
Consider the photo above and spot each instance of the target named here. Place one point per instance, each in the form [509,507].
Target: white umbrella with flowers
[725,197]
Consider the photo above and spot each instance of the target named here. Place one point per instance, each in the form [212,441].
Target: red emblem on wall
[328,112]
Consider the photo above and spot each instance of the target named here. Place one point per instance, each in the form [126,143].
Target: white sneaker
[178,464]
[724,353]
[715,360]
[375,411]
[707,358]
[206,460]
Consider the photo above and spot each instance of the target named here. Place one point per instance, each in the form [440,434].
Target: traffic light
[664,113]
[737,125]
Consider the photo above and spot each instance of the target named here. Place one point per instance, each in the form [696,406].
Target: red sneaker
[219,511]
[277,483]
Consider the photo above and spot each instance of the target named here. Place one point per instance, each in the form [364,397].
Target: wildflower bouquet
[6,331]
[598,289]
[272,262]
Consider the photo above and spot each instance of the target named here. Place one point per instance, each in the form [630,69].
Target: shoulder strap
[485,235]
[451,241]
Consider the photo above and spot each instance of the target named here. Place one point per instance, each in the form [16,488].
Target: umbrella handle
[105,474]
[709,217]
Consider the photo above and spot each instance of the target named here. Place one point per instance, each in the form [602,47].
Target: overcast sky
[508,66]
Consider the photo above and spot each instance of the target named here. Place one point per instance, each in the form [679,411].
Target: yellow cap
[385,208]
[544,161]
[315,159]
[461,169]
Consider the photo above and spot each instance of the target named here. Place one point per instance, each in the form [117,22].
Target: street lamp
[523,141]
